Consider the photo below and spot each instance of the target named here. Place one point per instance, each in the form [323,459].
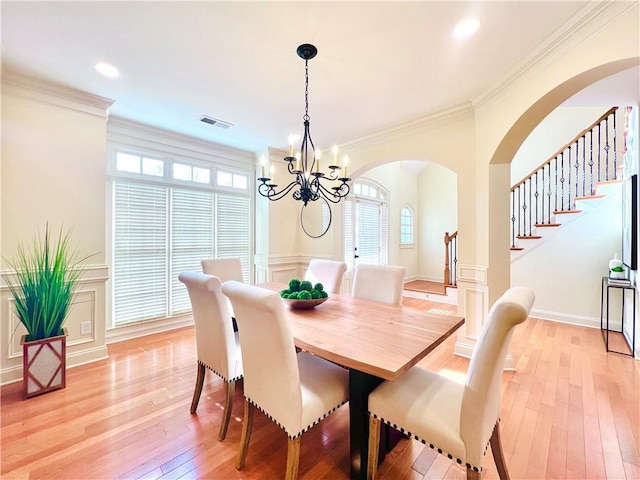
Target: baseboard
[148,328]
[578,320]
[14,374]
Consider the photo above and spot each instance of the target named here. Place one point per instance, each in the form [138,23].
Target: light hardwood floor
[570,410]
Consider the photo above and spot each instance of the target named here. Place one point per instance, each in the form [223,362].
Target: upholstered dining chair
[381,283]
[295,390]
[223,268]
[218,348]
[459,420]
[327,272]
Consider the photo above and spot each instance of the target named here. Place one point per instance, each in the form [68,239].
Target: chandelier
[309,182]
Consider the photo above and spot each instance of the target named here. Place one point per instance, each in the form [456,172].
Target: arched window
[366,225]
[407,226]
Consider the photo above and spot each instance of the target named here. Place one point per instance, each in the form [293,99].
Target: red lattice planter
[44,364]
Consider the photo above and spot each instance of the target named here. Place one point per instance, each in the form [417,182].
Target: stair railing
[450,259]
[570,173]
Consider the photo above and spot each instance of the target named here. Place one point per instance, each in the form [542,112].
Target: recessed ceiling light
[106,69]
[466,27]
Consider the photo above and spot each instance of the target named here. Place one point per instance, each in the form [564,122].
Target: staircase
[574,179]
[582,175]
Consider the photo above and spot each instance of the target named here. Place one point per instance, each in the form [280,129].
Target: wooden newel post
[447,272]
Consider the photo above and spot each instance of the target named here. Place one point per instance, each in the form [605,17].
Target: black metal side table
[604,313]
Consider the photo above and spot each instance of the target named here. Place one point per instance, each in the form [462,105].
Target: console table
[604,313]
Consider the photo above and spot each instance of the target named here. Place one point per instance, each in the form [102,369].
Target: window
[406,226]
[161,228]
[136,164]
[191,174]
[232,180]
[366,219]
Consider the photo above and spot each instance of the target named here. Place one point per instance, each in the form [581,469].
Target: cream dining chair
[327,272]
[459,420]
[296,391]
[225,269]
[218,348]
[381,283]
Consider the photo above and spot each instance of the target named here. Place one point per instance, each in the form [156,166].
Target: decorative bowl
[297,304]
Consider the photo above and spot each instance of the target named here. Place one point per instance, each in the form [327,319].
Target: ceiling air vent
[215,122]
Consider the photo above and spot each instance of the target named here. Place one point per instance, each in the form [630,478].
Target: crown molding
[442,118]
[121,130]
[22,86]
[576,27]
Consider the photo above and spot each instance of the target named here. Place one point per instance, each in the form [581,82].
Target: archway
[431,190]
[499,167]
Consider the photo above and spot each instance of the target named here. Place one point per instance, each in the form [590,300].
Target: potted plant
[43,284]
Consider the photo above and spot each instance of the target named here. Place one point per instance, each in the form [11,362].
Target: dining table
[376,342]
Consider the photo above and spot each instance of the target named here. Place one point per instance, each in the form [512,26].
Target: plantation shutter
[369,232]
[384,234]
[349,226]
[233,230]
[140,252]
[191,240]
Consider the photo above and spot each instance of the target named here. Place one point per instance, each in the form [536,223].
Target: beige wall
[438,192]
[45,150]
[53,170]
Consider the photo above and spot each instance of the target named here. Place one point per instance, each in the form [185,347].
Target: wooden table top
[372,337]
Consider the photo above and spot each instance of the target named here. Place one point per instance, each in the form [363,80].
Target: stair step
[608,182]
[528,237]
[562,212]
[548,225]
[589,197]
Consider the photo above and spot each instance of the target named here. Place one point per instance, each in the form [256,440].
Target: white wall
[565,270]
[555,131]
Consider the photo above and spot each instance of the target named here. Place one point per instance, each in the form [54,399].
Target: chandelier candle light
[309,182]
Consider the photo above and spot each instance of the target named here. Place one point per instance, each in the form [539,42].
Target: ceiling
[379,64]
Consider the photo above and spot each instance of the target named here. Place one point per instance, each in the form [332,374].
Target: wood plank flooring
[569,411]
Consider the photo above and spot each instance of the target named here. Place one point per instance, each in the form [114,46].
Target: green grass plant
[45,274]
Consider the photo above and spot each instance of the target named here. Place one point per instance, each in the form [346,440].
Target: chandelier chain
[306,90]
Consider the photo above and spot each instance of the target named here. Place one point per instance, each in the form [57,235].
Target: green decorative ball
[304,295]
[294,285]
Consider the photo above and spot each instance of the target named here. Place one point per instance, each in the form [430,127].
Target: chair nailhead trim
[431,445]
[219,374]
[305,429]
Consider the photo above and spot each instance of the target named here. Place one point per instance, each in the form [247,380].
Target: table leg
[360,386]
